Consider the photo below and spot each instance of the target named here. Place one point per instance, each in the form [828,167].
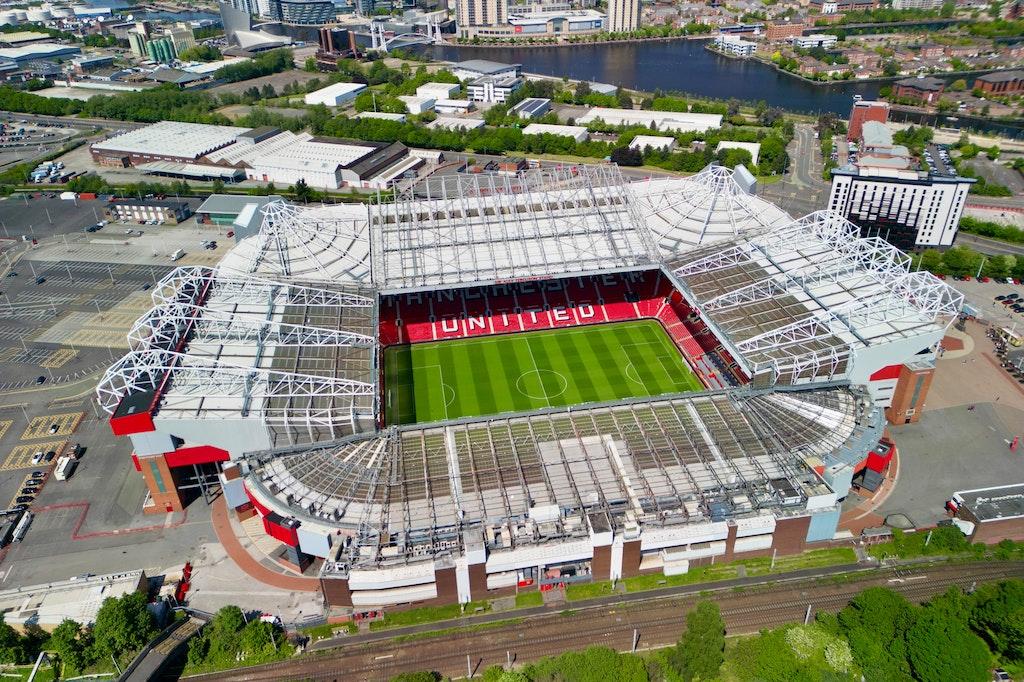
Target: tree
[875,623]
[940,648]
[12,646]
[625,156]
[218,186]
[624,98]
[992,152]
[310,65]
[998,617]
[68,640]
[582,91]
[958,85]
[422,676]
[302,191]
[123,625]
[700,651]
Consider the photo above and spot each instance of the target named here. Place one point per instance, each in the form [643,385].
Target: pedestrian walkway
[246,562]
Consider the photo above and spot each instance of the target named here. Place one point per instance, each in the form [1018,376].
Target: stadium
[494,383]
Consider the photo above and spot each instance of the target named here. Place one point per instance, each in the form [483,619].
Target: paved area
[981,296]
[802,190]
[993,171]
[953,447]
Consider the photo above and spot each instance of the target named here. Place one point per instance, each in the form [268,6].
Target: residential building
[779,31]
[863,111]
[623,15]
[472,69]
[735,45]
[822,40]
[862,58]
[493,89]
[931,51]
[917,4]
[470,13]
[836,6]
[1001,82]
[923,88]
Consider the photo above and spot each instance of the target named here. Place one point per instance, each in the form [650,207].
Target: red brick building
[777,32]
[1001,82]
[862,112]
[926,89]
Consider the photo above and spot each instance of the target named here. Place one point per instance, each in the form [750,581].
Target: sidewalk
[254,568]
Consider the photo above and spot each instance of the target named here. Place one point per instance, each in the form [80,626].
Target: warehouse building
[164,141]
[657,142]
[163,212]
[660,120]
[327,163]
[532,107]
[578,133]
[439,90]
[335,95]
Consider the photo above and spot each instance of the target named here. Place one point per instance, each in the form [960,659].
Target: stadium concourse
[673,372]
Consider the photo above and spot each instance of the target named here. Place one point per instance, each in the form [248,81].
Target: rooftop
[484,66]
[1002,76]
[926,83]
[663,120]
[170,138]
[531,106]
[552,129]
[79,599]
[994,504]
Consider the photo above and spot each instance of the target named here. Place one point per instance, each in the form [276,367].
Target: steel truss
[326,245]
[712,190]
[278,396]
[824,249]
[485,228]
[234,288]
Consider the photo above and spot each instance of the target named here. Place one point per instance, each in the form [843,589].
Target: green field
[428,382]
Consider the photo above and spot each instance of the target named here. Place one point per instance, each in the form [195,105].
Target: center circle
[541,384]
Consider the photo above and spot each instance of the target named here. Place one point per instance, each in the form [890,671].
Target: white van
[177,254]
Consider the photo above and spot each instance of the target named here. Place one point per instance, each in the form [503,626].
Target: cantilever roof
[799,300]
[486,228]
[648,461]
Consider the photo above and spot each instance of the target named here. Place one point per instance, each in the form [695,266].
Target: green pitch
[428,382]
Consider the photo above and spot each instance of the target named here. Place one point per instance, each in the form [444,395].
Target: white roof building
[416,104]
[753,147]
[439,90]
[662,120]
[335,95]
[383,115]
[79,599]
[578,133]
[453,123]
[171,138]
[642,142]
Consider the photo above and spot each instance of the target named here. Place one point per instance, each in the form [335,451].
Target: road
[657,622]
[802,190]
[77,122]
[990,246]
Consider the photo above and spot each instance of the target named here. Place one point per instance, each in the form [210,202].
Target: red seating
[525,306]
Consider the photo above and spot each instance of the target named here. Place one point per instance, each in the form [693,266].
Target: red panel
[132,423]
[288,536]
[200,454]
[256,503]
[135,460]
[890,372]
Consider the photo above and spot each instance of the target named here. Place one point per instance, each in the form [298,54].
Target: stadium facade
[266,372]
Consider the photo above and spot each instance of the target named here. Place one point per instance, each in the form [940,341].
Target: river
[685,66]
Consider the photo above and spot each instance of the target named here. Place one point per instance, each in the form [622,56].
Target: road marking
[66,423]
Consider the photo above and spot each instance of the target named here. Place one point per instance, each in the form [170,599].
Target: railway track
[657,622]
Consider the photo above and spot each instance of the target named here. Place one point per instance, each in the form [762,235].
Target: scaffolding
[486,228]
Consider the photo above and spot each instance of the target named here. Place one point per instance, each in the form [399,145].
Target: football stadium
[495,383]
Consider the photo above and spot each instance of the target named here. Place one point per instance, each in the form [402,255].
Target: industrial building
[46,606]
[439,90]
[38,52]
[996,513]
[454,123]
[493,89]
[415,104]
[531,107]
[660,120]
[656,142]
[754,148]
[335,95]
[156,211]
[453,106]
[264,375]
[578,133]
[324,162]
[164,141]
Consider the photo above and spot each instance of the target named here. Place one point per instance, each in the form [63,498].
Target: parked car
[54,428]
[38,474]
[49,456]
[24,499]
[38,457]
[29,491]
[40,379]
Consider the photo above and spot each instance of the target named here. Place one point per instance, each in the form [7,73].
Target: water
[685,66]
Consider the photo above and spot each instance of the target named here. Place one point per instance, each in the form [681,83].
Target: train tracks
[656,622]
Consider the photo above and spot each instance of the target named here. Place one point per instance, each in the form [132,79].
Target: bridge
[381,42]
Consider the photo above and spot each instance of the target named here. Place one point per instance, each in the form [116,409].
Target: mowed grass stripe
[492,375]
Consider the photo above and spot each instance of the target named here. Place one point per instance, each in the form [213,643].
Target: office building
[923,89]
[862,112]
[472,69]
[735,46]
[472,13]
[886,194]
[308,12]
[548,23]
[822,40]
[493,89]
[623,15]
[1001,83]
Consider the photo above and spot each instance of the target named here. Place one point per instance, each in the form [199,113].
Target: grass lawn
[525,599]
[429,614]
[480,376]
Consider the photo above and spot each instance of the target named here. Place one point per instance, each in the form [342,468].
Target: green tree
[69,641]
[940,648]
[992,152]
[999,616]
[626,156]
[303,192]
[624,98]
[875,623]
[218,186]
[123,625]
[421,676]
[700,651]
[958,85]
[310,65]
[12,645]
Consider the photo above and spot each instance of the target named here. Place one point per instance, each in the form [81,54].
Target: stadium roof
[171,138]
[226,347]
[485,228]
[656,462]
[313,244]
[706,207]
[801,299]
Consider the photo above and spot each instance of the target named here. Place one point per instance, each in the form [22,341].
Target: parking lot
[981,296]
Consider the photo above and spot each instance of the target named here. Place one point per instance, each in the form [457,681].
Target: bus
[65,467]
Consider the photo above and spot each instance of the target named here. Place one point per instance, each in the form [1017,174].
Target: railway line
[657,622]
